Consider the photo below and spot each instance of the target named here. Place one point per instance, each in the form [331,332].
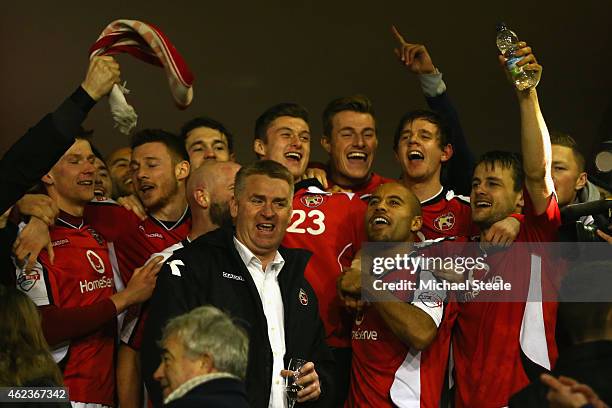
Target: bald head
[210,188]
[393,215]
[401,190]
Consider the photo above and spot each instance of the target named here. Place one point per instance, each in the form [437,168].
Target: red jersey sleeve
[60,324]
[543,227]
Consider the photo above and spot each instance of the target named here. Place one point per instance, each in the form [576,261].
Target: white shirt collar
[247,257]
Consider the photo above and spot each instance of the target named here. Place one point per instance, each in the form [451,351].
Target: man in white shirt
[248,274]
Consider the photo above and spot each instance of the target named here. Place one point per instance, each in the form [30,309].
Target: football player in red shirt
[76,294]
[209,190]
[330,225]
[491,336]
[421,147]
[349,136]
[392,362]
[159,170]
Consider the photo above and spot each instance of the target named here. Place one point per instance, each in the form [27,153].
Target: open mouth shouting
[415,155]
[294,157]
[482,204]
[379,221]
[357,157]
[265,227]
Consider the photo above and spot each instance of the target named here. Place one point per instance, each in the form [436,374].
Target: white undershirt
[272,301]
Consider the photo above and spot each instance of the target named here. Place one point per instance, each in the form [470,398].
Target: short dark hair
[431,117]
[355,103]
[268,168]
[506,160]
[563,139]
[584,299]
[86,134]
[175,146]
[282,109]
[204,121]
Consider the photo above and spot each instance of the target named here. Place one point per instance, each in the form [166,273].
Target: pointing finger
[398,35]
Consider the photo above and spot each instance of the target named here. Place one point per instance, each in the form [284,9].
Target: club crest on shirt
[95,261]
[430,299]
[27,281]
[303,297]
[444,222]
[312,200]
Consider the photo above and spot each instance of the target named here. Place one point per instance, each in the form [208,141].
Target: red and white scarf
[147,43]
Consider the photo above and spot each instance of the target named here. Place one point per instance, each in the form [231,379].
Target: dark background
[247,56]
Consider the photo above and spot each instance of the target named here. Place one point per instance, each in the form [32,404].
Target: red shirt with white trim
[386,372]
[134,240]
[80,276]
[331,226]
[132,243]
[132,330]
[446,215]
[491,336]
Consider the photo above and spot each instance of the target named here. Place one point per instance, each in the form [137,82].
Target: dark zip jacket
[210,272]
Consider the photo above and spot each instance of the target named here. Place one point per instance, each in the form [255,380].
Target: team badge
[445,222]
[312,200]
[95,261]
[27,281]
[303,297]
[430,299]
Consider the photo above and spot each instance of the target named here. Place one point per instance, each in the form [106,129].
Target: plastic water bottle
[507,43]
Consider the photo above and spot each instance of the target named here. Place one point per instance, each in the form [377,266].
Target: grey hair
[206,330]
[268,168]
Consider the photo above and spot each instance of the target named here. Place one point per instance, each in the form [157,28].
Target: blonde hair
[24,352]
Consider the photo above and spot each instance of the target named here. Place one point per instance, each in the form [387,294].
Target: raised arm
[43,145]
[535,140]
[416,58]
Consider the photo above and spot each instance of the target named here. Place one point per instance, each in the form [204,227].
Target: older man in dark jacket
[247,273]
[204,360]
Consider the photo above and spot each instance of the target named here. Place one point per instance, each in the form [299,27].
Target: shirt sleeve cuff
[432,84]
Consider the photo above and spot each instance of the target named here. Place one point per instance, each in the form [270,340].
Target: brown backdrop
[249,55]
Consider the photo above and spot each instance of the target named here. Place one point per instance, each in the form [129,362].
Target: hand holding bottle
[516,56]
